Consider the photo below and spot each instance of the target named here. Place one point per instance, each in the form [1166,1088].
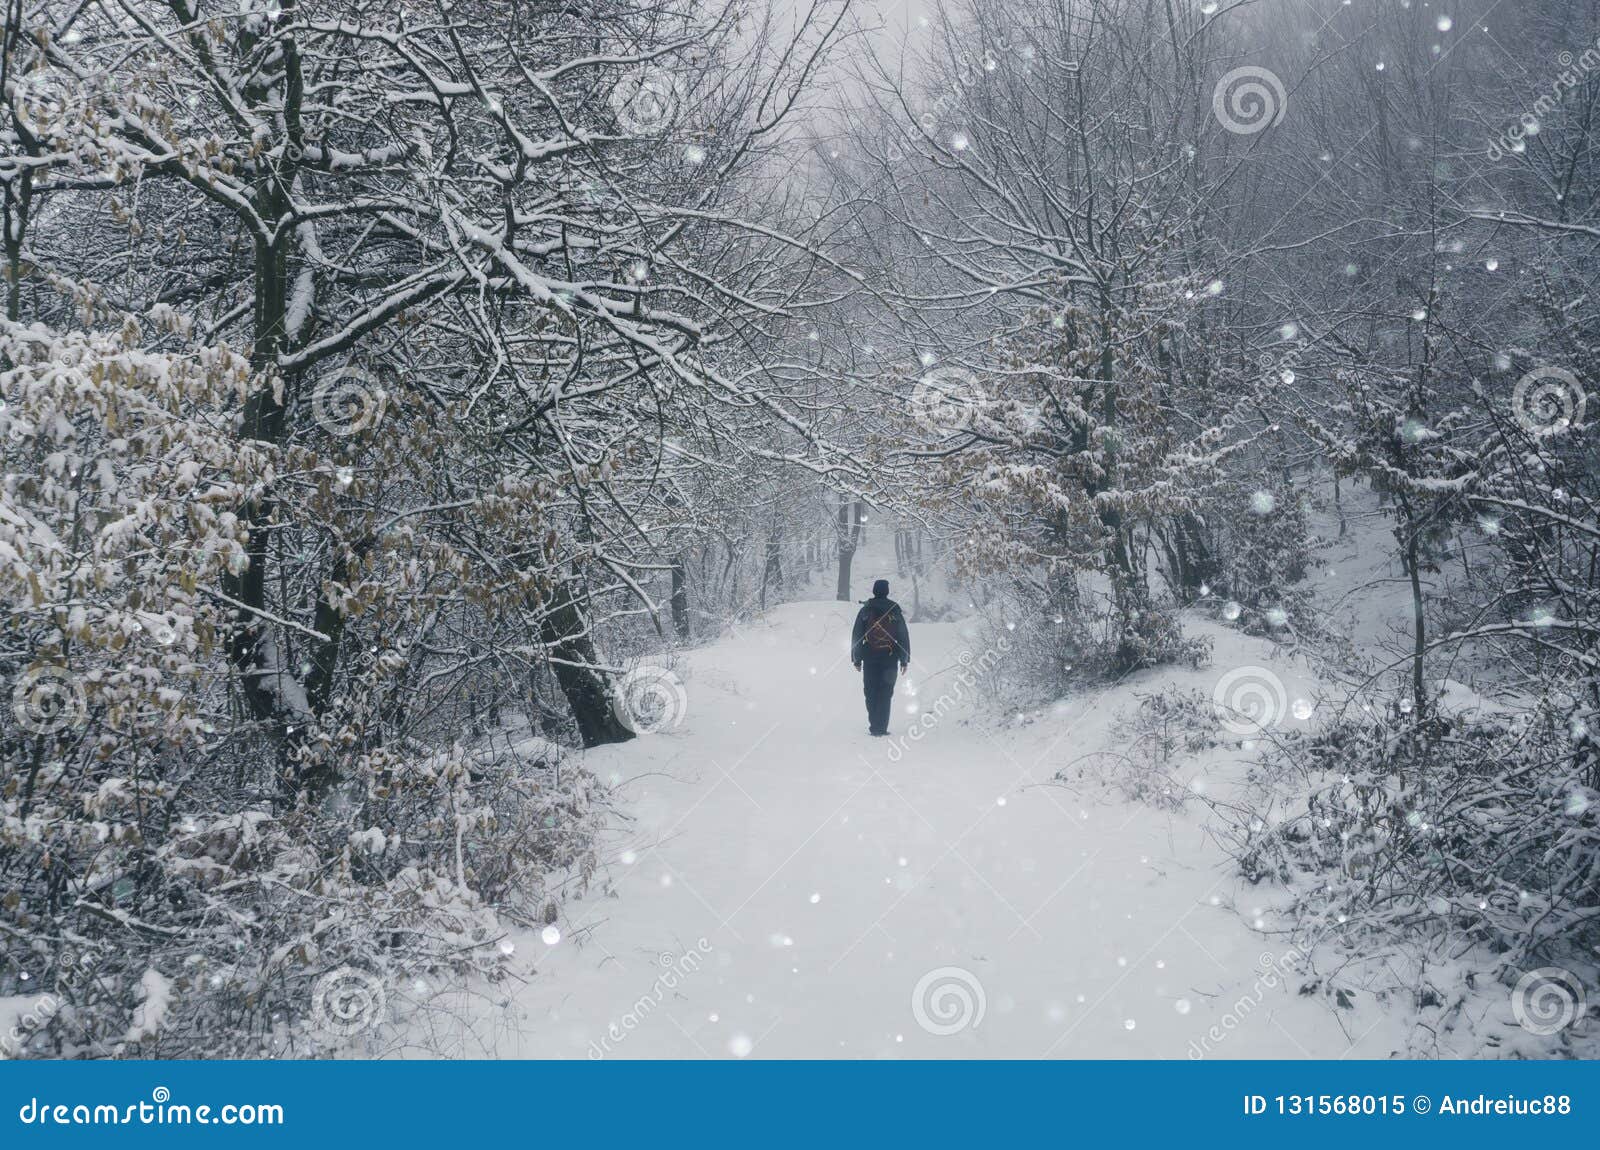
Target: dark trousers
[877,680]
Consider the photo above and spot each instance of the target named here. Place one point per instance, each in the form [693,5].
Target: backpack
[879,638]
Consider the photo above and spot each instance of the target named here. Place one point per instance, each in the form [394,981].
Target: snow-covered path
[789,887]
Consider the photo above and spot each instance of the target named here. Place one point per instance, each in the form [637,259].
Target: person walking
[879,645]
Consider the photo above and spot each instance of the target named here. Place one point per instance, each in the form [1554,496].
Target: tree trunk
[1196,567]
[274,693]
[773,571]
[570,647]
[680,598]
[1419,621]
[849,537]
[329,621]
[14,225]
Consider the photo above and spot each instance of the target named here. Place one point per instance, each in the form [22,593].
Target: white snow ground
[788,887]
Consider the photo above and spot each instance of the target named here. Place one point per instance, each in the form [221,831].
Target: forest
[428,425]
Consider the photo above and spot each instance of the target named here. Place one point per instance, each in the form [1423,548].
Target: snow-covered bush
[1258,547]
[139,822]
[1482,835]
[1058,643]
[1150,743]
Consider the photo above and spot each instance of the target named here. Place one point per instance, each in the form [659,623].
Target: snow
[866,898]
[155,998]
[668,355]
[18,1018]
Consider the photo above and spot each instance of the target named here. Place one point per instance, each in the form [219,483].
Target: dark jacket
[870,611]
